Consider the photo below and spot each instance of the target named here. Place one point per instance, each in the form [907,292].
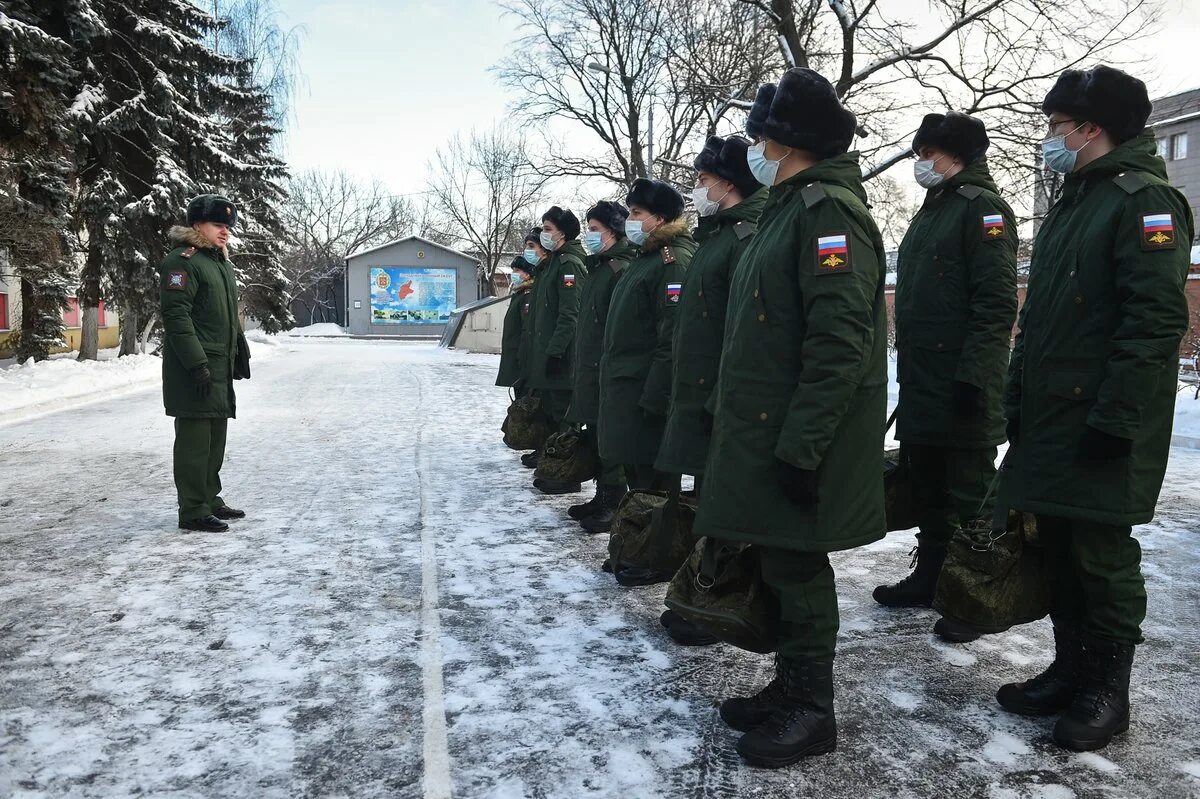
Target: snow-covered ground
[402,616]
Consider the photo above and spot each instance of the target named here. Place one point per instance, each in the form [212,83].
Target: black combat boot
[915,590]
[205,524]
[586,509]
[557,487]
[1100,709]
[955,632]
[226,512]
[1051,691]
[529,459]
[602,517]
[744,713]
[803,725]
[684,633]
[635,576]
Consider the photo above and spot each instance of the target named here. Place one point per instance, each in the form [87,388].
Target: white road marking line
[436,780]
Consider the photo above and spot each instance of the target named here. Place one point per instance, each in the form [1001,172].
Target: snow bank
[322,329]
[63,382]
[1187,413]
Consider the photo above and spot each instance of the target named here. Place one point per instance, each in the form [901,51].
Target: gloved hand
[1012,430]
[554,365]
[1098,445]
[968,400]
[203,380]
[799,485]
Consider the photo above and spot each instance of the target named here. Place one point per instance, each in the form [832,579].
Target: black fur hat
[960,135]
[212,208]
[520,263]
[1104,96]
[564,220]
[762,104]
[726,158]
[534,236]
[806,114]
[610,214]
[656,197]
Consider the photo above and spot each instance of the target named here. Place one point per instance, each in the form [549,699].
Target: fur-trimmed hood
[192,238]
[665,233]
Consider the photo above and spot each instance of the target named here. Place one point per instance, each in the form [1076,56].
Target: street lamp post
[596,66]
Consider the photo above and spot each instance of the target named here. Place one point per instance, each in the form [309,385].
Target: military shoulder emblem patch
[833,254]
[1158,232]
[674,290]
[993,226]
[569,281]
[177,281]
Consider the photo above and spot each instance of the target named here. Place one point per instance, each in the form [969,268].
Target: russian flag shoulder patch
[1158,231]
[568,281]
[833,254]
[674,291]
[993,226]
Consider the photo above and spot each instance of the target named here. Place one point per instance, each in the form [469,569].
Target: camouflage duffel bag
[899,504]
[994,578]
[651,530]
[568,457]
[525,426]
[720,589]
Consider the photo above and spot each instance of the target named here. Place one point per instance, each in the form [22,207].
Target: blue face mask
[547,241]
[531,257]
[516,280]
[633,229]
[1057,156]
[593,240]
[764,169]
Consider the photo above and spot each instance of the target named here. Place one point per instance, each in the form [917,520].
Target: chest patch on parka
[833,254]
[176,281]
[1158,231]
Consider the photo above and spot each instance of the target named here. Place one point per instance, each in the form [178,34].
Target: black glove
[707,420]
[241,362]
[203,379]
[554,365]
[1012,430]
[968,400]
[1098,445]
[799,485]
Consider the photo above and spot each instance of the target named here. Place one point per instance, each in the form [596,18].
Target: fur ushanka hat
[657,197]
[960,135]
[610,214]
[564,220]
[758,112]
[726,158]
[806,114]
[1107,97]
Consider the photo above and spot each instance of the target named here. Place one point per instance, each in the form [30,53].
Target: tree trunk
[129,330]
[89,300]
[89,335]
[145,338]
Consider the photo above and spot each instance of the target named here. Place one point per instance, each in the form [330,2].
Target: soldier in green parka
[956,301]
[795,465]
[203,352]
[635,370]
[728,201]
[609,252]
[515,338]
[537,258]
[555,311]
[1091,388]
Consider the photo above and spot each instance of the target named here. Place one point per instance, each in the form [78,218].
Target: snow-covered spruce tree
[35,168]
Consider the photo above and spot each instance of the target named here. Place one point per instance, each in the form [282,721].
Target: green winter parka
[1099,338]
[555,308]
[515,340]
[199,302]
[956,301]
[603,271]
[635,370]
[803,374]
[700,331]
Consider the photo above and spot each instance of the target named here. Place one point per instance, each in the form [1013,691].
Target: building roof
[411,238]
[1175,108]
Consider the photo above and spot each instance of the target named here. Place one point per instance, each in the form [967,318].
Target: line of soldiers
[752,354]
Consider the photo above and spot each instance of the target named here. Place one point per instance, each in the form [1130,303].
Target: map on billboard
[402,295]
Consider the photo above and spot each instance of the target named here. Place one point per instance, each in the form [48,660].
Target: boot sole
[818,748]
[653,579]
[1091,744]
[556,491]
[595,528]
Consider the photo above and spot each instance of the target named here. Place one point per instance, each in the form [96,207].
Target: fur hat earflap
[726,158]
[610,214]
[960,135]
[564,220]
[806,114]
[758,112]
[1104,96]
[657,197]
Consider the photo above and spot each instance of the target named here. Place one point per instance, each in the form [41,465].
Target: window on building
[3,311]
[71,315]
[1164,149]
[1179,147]
[101,321]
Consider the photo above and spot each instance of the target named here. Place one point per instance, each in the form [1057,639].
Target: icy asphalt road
[314,652]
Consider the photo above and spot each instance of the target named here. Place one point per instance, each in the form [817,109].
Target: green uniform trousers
[948,488]
[1096,577]
[642,476]
[555,403]
[611,474]
[808,610]
[199,453]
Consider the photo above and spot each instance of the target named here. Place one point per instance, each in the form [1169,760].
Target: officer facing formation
[956,301]
[609,252]
[203,352]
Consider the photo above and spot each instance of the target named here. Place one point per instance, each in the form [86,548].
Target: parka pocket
[218,361]
[936,337]
[761,410]
[1073,384]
